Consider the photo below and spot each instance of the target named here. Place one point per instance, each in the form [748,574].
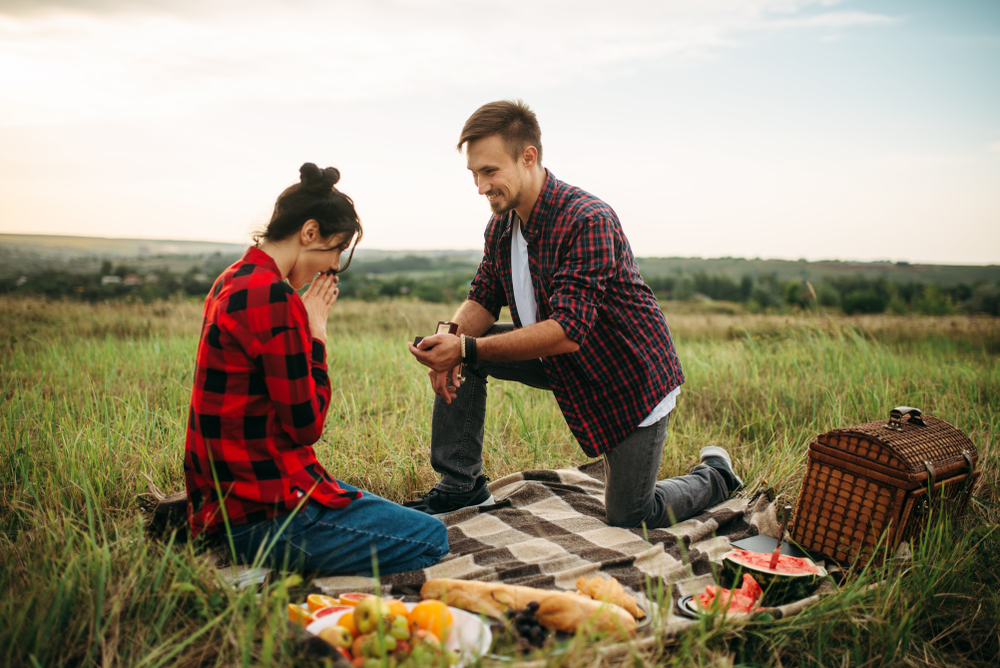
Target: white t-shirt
[527,309]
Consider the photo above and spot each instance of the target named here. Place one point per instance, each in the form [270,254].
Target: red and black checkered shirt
[259,401]
[585,277]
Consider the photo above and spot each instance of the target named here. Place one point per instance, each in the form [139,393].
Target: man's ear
[309,232]
[530,156]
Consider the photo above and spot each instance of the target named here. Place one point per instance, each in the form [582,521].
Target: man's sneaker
[719,460]
[436,502]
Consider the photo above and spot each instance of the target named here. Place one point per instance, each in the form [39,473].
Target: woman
[260,399]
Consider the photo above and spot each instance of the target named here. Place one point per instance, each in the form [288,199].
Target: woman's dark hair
[314,197]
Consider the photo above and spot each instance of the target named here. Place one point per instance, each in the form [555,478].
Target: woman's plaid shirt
[585,277]
[259,401]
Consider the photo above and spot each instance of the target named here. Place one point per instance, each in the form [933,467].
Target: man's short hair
[513,120]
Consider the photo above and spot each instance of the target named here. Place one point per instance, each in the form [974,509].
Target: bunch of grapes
[525,623]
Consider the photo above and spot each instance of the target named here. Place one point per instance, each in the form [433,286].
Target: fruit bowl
[469,638]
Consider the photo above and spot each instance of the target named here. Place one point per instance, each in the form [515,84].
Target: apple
[369,612]
[421,637]
[337,636]
[357,647]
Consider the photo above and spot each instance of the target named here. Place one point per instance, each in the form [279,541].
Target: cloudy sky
[818,129]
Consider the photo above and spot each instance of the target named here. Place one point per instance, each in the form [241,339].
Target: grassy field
[94,398]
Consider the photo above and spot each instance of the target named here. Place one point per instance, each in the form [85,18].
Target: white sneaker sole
[715,451]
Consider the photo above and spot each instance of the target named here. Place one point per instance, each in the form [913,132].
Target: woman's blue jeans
[329,541]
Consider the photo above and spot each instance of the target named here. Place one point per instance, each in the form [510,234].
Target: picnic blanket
[549,528]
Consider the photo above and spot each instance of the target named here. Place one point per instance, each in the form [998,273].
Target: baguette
[559,610]
[611,591]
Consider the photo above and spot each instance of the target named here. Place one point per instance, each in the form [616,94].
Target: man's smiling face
[497,175]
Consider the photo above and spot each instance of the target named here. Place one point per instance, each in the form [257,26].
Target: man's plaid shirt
[259,401]
[585,277]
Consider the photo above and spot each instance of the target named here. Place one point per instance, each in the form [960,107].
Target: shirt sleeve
[584,272]
[296,376]
[487,290]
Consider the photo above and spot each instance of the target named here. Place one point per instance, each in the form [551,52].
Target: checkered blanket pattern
[549,528]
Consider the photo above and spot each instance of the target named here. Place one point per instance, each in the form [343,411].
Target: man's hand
[318,300]
[443,384]
[441,352]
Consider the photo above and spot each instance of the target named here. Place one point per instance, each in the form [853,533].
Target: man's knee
[626,518]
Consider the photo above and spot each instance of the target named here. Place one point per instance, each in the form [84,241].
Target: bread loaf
[610,590]
[562,611]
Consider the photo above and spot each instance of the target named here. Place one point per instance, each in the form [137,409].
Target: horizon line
[475,250]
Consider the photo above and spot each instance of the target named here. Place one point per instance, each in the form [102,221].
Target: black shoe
[719,460]
[436,502]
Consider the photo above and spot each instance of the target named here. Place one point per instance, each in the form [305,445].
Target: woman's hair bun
[315,179]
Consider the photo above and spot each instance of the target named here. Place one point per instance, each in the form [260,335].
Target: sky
[788,129]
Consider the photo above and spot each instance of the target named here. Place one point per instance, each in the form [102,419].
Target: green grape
[400,629]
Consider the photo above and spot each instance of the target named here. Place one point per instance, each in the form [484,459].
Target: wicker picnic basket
[877,484]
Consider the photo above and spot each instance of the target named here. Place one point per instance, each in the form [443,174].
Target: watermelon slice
[792,578]
[743,599]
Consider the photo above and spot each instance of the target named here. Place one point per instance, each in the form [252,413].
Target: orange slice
[317,601]
[352,598]
[300,615]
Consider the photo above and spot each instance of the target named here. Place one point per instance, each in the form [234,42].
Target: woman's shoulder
[245,285]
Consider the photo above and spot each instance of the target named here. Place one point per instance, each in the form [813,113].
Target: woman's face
[318,257]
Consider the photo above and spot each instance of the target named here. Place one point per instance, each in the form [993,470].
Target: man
[585,327]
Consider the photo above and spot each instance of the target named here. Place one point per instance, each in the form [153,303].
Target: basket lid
[908,445]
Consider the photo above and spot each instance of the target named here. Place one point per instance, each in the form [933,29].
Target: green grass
[94,396]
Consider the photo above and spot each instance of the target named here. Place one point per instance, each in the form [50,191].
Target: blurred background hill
[93,268]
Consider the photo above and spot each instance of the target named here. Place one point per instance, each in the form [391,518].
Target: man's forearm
[543,339]
[473,319]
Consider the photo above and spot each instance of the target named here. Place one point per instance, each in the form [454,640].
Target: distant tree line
[851,295]
[424,279]
[121,281]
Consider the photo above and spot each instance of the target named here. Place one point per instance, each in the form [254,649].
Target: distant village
[419,278]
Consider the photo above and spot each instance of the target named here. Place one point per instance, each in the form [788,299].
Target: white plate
[469,636]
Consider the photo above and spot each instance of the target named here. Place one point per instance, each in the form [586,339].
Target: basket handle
[896,417]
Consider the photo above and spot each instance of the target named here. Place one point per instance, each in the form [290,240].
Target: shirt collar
[532,227]
[258,257]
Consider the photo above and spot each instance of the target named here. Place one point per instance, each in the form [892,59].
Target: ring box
[443,327]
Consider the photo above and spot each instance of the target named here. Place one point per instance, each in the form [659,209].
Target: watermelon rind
[779,588]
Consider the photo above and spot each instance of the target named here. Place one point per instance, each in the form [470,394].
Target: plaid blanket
[549,528]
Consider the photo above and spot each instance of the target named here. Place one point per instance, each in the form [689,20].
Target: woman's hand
[319,299]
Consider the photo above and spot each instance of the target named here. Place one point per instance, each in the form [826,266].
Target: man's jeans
[328,541]
[632,497]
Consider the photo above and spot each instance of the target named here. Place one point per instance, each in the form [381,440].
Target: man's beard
[512,203]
